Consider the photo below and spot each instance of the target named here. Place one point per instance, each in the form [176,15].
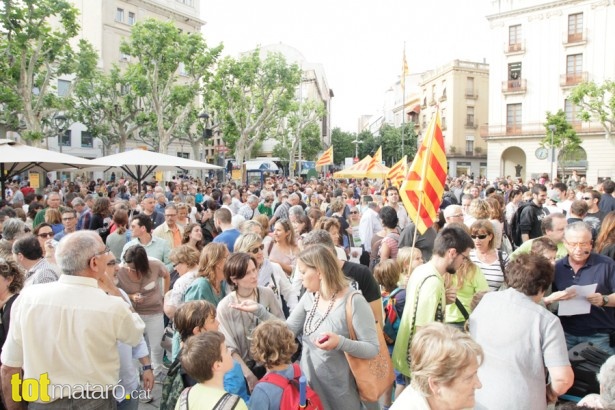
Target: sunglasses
[587,198]
[354,212]
[45,235]
[258,248]
[479,236]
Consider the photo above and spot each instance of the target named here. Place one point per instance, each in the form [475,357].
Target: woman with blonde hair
[185,260]
[320,319]
[54,218]
[209,284]
[408,258]
[270,274]
[478,209]
[444,364]
[284,248]
[490,260]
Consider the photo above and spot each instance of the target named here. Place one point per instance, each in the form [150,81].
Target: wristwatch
[147,367]
[605,299]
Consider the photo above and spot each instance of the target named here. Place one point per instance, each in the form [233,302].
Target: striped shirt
[493,271]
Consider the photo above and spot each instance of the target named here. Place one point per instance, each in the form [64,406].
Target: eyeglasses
[354,212]
[465,257]
[456,216]
[103,252]
[579,244]
[112,262]
[45,235]
[70,218]
[258,248]
[170,215]
[479,236]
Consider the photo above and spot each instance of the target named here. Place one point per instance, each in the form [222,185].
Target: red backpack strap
[276,380]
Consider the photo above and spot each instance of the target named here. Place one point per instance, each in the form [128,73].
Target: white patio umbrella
[16,158]
[139,163]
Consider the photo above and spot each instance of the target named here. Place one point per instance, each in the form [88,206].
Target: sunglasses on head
[258,248]
[479,236]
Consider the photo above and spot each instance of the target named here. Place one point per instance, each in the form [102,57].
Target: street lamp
[552,128]
[356,148]
[60,122]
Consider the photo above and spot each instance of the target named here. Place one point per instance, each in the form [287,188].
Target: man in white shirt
[369,225]
[81,324]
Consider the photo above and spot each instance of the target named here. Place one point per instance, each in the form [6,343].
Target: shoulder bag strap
[501,259]
[462,309]
[227,402]
[349,315]
[416,304]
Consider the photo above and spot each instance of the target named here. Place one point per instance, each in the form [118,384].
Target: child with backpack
[193,318]
[388,274]
[206,359]
[273,344]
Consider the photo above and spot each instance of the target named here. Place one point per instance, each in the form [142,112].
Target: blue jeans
[128,404]
[599,340]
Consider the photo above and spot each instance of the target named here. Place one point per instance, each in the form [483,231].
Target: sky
[360,43]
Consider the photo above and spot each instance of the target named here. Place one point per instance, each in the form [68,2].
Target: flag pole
[403,100]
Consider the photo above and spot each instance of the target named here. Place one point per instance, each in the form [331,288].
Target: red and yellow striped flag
[326,158]
[376,159]
[398,172]
[422,190]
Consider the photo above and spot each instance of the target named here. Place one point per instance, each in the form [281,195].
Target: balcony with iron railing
[575,39]
[533,130]
[518,86]
[573,79]
[514,48]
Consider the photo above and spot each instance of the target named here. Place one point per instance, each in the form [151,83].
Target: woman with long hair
[54,218]
[284,249]
[242,276]
[100,211]
[605,242]
[270,274]
[210,283]
[193,236]
[140,278]
[320,319]
[496,217]
[11,283]
[490,261]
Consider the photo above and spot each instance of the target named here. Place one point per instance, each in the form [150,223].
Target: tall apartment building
[540,50]
[460,90]
[105,23]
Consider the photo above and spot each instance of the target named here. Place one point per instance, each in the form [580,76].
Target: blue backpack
[391,317]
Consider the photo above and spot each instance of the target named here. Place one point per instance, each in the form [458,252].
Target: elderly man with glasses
[584,267]
[65,334]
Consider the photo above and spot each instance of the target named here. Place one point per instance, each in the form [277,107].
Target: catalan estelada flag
[398,172]
[423,187]
[376,159]
[326,158]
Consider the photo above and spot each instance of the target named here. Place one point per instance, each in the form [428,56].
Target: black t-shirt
[362,280]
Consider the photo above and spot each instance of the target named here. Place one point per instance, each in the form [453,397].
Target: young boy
[273,344]
[206,358]
[199,316]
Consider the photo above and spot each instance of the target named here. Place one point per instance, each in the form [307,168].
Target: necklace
[309,327]
[249,297]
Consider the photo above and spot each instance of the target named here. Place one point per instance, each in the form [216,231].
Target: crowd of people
[215,289]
